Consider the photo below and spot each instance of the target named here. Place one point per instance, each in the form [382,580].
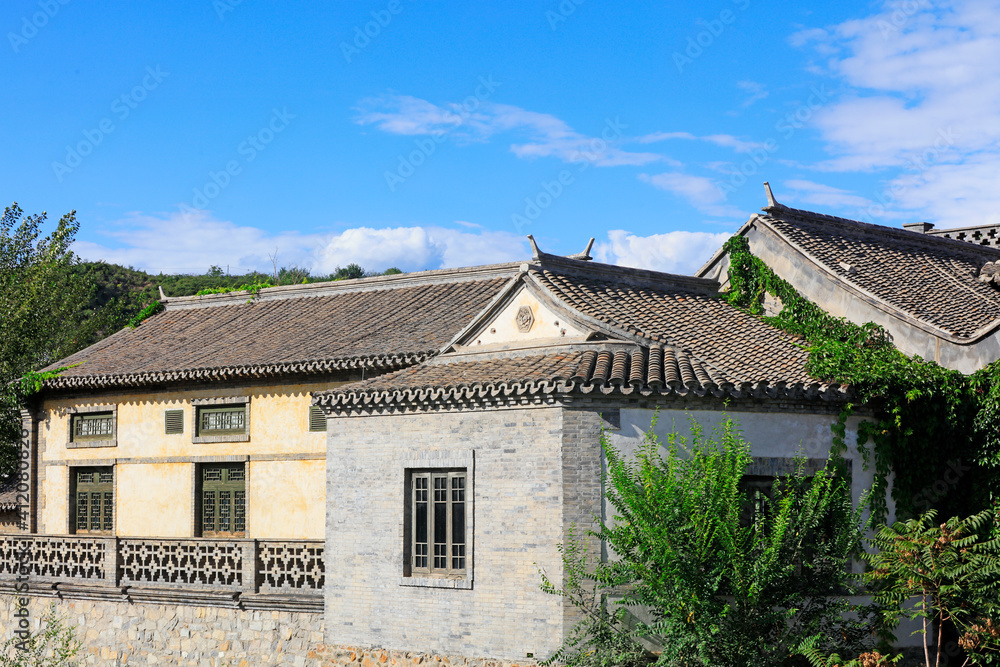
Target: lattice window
[93,496]
[223,500]
[93,426]
[227,420]
[438,523]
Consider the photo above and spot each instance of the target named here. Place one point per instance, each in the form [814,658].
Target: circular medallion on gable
[524,319]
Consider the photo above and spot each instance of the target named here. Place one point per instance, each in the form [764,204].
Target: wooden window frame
[422,559]
[92,412]
[223,485]
[202,405]
[106,502]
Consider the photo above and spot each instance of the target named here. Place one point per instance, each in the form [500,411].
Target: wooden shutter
[173,422]
[317,418]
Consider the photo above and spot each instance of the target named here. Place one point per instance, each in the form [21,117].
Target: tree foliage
[721,584]
[41,314]
[53,645]
[952,571]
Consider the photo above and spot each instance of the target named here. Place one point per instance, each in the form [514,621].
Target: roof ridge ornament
[772,203]
[537,254]
[585,255]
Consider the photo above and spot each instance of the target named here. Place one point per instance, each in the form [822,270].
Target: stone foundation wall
[122,633]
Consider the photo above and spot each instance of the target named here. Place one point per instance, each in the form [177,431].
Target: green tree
[952,570]
[41,314]
[723,577]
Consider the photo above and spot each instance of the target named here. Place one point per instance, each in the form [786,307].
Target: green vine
[144,314]
[32,381]
[251,288]
[935,429]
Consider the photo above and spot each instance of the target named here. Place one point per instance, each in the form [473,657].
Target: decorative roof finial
[585,255]
[536,253]
[163,296]
[771,203]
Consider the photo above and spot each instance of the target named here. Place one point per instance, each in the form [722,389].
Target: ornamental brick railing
[287,567]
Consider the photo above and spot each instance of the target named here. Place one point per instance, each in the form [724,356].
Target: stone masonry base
[123,633]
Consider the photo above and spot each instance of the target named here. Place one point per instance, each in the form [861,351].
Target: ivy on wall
[933,433]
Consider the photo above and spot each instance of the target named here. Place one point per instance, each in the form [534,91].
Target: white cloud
[545,135]
[701,192]
[925,82]
[191,242]
[672,252]
[416,248]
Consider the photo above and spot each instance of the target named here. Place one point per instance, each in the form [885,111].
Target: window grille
[93,500]
[438,523]
[93,426]
[227,420]
[223,498]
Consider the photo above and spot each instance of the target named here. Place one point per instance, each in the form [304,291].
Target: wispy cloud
[820,195]
[926,86]
[756,91]
[701,192]
[542,135]
[672,252]
[724,140]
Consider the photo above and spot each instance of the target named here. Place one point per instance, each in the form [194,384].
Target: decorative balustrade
[289,567]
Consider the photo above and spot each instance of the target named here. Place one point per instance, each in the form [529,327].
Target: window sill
[87,444]
[436,582]
[238,437]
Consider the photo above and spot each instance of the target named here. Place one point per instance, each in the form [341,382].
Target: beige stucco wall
[287,499]
[154,499]
[154,472]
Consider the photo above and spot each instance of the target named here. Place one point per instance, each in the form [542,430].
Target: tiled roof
[929,278]
[738,345]
[624,369]
[380,323]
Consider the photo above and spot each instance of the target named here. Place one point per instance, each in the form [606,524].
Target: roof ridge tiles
[787,214]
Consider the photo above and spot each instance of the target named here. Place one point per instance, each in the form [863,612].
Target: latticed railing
[248,566]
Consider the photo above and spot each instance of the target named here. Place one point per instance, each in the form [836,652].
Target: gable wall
[831,295]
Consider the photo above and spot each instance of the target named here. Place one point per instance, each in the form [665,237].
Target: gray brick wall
[534,471]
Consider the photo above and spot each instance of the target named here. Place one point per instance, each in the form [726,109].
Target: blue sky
[427,134]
